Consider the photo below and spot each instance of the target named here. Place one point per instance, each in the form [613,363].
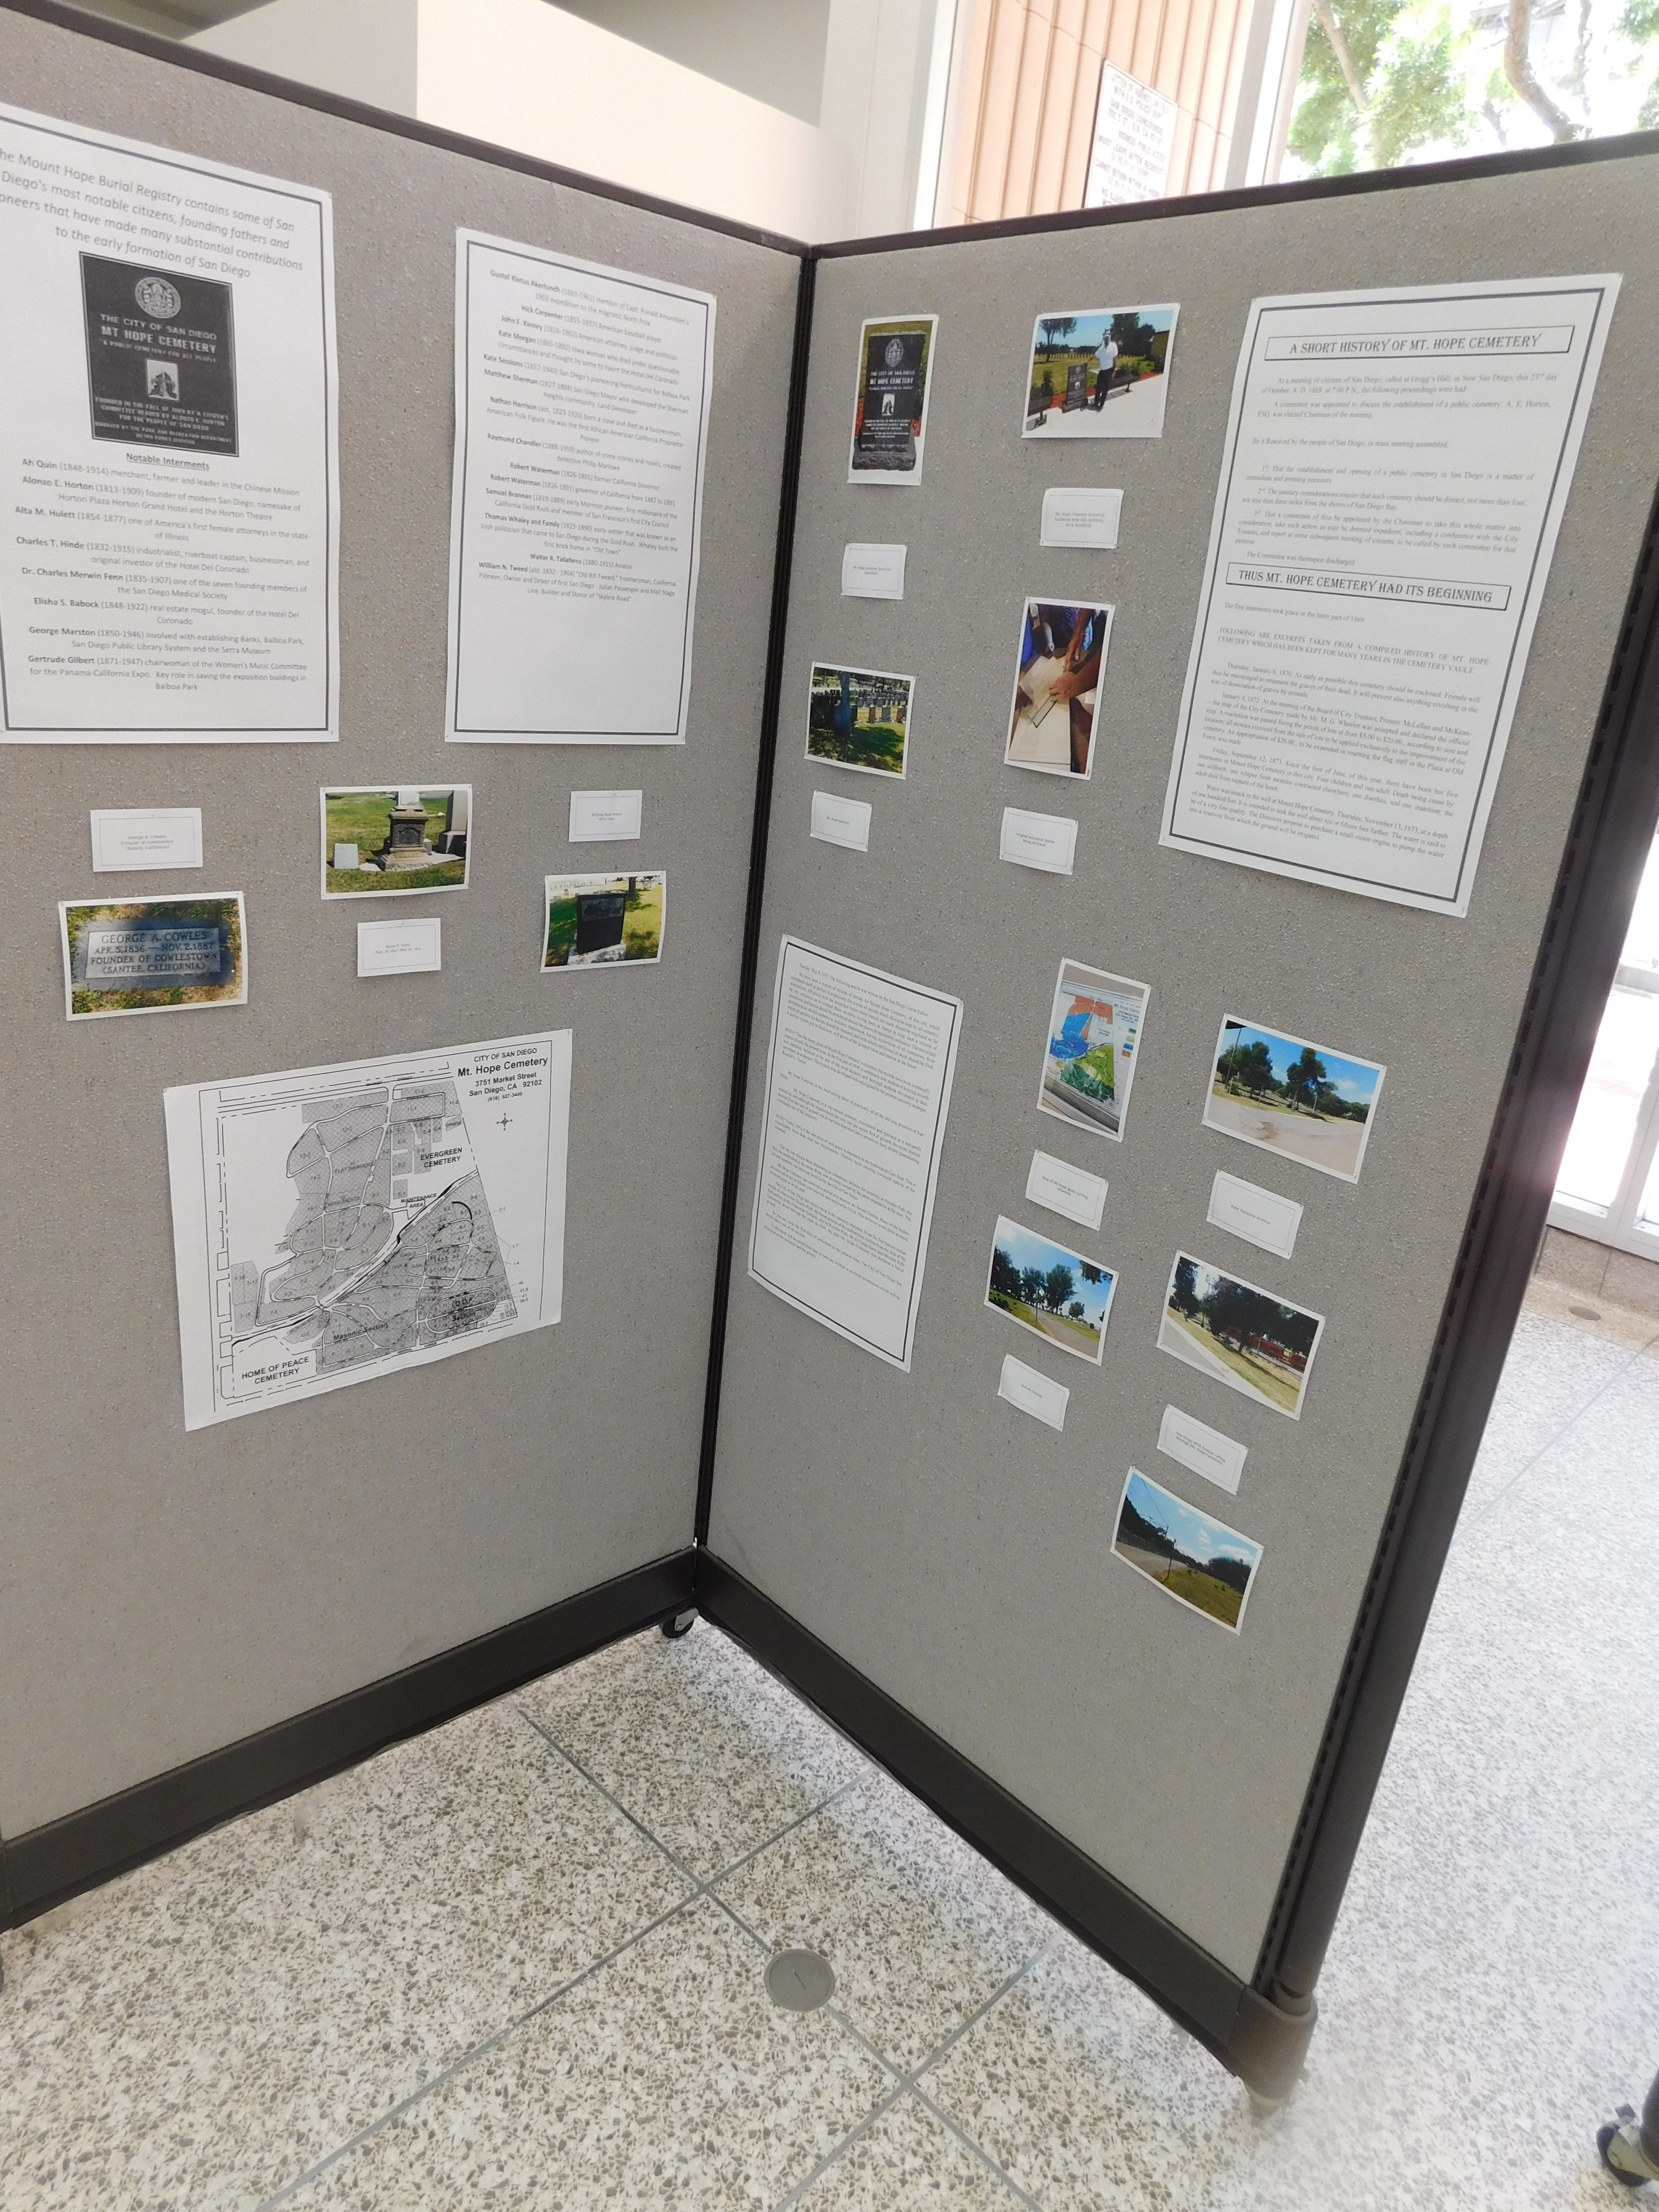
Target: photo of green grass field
[1201,1562]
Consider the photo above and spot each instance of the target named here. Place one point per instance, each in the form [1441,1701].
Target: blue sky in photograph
[1355,1080]
[1026,1249]
[1195,1534]
[1087,334]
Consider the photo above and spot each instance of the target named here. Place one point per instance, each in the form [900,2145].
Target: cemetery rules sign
[334,1224]
[581,431]
[1135,137]
[169,480]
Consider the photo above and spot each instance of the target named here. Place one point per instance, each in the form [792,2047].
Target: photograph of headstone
[379,842]
[153,956]
[603,921]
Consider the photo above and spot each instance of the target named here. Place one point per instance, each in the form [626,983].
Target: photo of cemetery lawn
[1239,1334]
[360,818]
[1298,1099]
[1204,1564]
[1047,1289]
[858,718]
[641,916]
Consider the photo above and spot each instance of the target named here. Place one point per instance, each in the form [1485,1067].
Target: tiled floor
[518,1963]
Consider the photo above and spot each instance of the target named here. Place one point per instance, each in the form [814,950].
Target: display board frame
[1257,2024]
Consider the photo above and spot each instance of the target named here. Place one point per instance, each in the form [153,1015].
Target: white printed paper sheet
[581,425]
[857,1088]
[1396,467]
[169,471]
[332,1224]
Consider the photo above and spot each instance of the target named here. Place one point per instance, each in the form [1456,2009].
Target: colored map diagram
[337,1224]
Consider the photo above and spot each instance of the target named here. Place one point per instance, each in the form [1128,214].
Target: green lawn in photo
[1219,1599]
[1272,1382]
[641,921]
[362,818]
[868,744]
[1058,1328]
[858,718]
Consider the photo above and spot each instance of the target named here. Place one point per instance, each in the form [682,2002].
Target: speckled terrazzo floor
[518,1962]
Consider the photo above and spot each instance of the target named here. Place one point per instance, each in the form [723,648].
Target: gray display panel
[169,1593]
[950,1548]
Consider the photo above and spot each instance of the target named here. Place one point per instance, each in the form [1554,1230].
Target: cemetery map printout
[339,1223]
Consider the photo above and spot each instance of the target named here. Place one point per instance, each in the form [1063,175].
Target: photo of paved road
[1057,1293]
[1280,1386]
[1333,1145]
[1301,1100]
[1241,1334]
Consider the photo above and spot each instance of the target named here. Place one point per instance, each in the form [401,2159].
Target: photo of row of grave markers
[186,952]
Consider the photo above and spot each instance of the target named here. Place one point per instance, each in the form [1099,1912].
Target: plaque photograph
[889,421]
[159,360]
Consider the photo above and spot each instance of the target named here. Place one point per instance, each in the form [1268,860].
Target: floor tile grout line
[788,1829]
[1559,1437]
[611,1798]
[469,2058]
[970,2142]
[905,2085]
[854,2135]
[698,1881]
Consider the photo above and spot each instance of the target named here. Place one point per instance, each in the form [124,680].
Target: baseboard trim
[1255,2039]
[49,1865]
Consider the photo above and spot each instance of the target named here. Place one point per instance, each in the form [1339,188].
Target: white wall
[524,74]
[363,49]
[771,49]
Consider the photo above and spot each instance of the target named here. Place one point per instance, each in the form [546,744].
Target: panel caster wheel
[680,1624]
[1605,2137]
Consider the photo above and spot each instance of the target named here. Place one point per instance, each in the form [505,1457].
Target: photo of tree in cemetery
[1300,1100]
[1239,1334]
[1087,363]
[858,718]
[1202,1562]
[1054,1292]
[595,921]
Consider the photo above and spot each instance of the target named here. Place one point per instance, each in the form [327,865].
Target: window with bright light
[1608,1185]
[1384,83]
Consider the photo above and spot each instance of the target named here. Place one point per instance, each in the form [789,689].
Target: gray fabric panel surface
[948,1545]
[166,1594]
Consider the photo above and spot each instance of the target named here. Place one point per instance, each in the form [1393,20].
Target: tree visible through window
[1387,81]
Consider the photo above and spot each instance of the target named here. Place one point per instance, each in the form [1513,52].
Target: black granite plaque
[1077,388]
[891,393]
[599,917]
[159,356]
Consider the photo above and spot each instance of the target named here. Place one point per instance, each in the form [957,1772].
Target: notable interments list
[168,448]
